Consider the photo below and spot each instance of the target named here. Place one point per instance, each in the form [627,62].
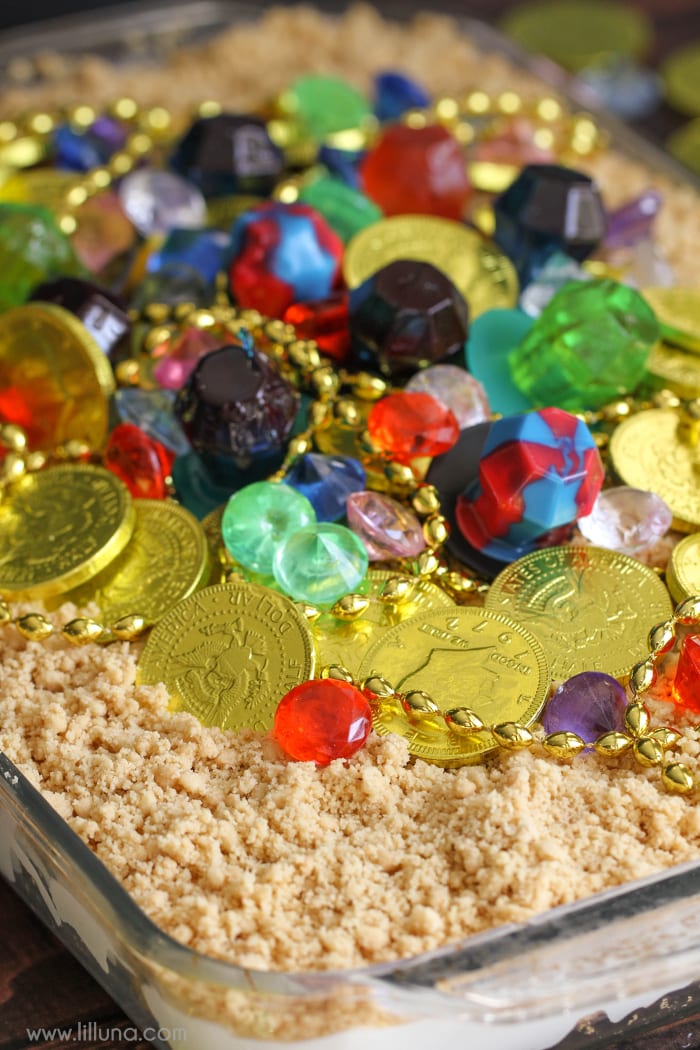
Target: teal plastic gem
[326,104]
[589,346]
[320,563]
[492,336]
[261,517]
[32,249]
[345,210]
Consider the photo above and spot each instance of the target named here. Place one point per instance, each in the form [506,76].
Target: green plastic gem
[589,346]
[325,105]
[32,249]
[345,210]
[260,517]
[320,563]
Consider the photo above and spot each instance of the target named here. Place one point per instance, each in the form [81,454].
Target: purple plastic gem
[327,481]
[387,529]
[633,221]
[589,704]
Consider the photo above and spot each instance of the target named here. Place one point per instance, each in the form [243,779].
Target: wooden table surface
[41,985]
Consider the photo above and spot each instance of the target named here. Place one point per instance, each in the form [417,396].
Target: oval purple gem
[589,704]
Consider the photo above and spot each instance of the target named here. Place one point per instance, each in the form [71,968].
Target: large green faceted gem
[32,249]
[260,517]
[345,210]
[325,104]
[589,346]
[320,563]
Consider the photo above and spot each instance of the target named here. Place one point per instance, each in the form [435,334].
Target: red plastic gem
[417,170]
[140,462]
[686,687]
[326,321]
[323,719]
[408,425]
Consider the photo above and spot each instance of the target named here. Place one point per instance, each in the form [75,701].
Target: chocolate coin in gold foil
[166,560]
[678,313]
[229,653]
[460,657]
[683,570]
[591,608]
[55,380]
[339,642]
[650,451]
[680,74]
[675,369]
[59,528]
[485,277]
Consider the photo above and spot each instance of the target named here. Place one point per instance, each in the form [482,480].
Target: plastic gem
[405,316]
[589,704]
[395,93]
[102,313]
[556,272]
[229,153]
[346,210]
[685,686]
[325,104]
[588,346]
[326,321]
[538,472]
[633,221]
[492,337]
[624,88]
[175,283]
[152,411]
[320,563]
[409,425]
[203,250]
[32,249]
[626,519]
[140,462]
[327,481]
[259,518]
[387,528]
[322,720]
[455,389]
[158,201]
[103,232]
[178,359]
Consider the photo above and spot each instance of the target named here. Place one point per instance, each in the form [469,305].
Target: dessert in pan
[348,535]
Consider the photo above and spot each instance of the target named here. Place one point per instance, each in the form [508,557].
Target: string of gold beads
[36,627]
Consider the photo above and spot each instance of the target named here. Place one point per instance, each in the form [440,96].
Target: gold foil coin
[59,528]
[483,274]
[55,379]
[684,144]
[680,74]
[229,653]
[648,452]
[683,570]
[461,657]
[166,560]
[591,608]
[678,313]
[675,369]
[339,642]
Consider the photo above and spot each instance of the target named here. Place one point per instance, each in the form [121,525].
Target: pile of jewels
[245,360]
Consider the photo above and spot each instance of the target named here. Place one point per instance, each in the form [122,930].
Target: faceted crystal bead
[627,520]
[547,209]
[140,462]
[417,171]
[231,153]
[324,105]
[235,404]
[281,254]
[405,316]
[103,313]
[32,249]
[646,267]
[152,411]
[320,563]
[455,389]
[325,321]
[259,518]
[558,270]
[386,527]
[327,481]
[203,250]
[686,685]
[158,201]
[175,283]
[395,93]
[589,704]
[178,359]
[408,425]
[538,472]
[633,221]
[322,720]
[103,232]
[346,210]
[588,346]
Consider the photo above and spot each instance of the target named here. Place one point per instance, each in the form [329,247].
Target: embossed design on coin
[591,608]
[166,559]
[676,369]
[485,277]
[59,528]
[339,642]
[228,654]
[461,657]
[647,452]
[683,572]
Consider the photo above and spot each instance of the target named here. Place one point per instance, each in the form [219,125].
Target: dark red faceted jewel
[140,462]
[323,719]
[408,425]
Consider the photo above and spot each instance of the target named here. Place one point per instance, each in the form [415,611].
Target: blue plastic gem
[395,93]
[327,481]
[342,163]
[152,411]
[78,150]
[548,209]
[203,250]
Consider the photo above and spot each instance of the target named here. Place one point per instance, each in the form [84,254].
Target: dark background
[40,983]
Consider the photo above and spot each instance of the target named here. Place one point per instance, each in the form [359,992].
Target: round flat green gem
[326,104]
[260,517]
[320,563]
[345,210]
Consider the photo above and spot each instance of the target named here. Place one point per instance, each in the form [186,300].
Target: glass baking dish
[614,966]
